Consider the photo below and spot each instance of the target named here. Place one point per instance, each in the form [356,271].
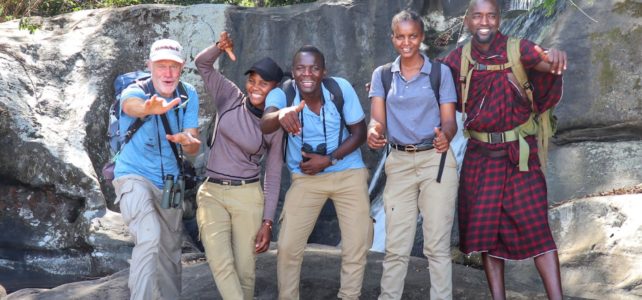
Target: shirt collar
[396,67]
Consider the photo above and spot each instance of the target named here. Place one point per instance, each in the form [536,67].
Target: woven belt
[232,182]
[517,134]
[412,148]
[494,137]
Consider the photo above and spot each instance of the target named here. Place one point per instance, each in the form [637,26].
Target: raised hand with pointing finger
[553,60]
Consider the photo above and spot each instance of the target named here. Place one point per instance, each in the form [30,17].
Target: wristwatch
[333,160]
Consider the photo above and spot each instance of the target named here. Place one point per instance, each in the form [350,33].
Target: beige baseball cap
[166,49]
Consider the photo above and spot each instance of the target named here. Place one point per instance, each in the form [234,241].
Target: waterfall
[520,4]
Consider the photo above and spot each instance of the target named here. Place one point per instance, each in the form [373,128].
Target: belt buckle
[496,138]
[410,148]
[226,182]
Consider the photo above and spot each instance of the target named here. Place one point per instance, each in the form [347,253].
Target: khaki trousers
[229,218]
[411,188]
[303,203]
[155,267]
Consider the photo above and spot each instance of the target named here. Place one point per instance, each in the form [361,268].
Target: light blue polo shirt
[141,156]
[412,112]
[313,126]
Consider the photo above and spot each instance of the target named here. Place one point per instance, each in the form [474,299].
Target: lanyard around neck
[325,137]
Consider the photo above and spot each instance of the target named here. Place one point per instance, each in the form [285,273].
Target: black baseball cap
[268,69]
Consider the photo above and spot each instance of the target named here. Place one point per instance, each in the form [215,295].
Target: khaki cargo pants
[303,202]
[155,267]
[411,189]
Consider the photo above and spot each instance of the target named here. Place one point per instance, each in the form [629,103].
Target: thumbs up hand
[289,118]
[376,138]
[440,141]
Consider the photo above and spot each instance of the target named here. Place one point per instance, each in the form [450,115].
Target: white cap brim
[163,55]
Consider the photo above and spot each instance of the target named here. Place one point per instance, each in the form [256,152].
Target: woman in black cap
[234,217]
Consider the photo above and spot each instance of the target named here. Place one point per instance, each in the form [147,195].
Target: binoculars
[173,192]
[321,150]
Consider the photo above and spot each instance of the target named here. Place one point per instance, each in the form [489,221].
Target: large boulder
[599,246]
[53,113]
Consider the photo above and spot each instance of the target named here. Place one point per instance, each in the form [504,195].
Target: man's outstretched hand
[183,138]
[555,57]
[158,106]
[289,118]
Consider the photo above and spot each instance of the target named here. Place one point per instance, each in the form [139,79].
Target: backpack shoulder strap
[336,92]
[465,73]
[288,89]
[386,79]
[337,98]
[435,77]
[514,60]
[290,93]
[182,93]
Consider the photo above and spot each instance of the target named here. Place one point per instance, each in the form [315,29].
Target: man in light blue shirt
[325,163]
[145,161]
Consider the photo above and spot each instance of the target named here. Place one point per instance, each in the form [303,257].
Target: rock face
[57,89]
[599,246]
[53,115]
[599,128]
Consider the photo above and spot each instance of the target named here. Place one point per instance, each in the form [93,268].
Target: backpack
[117,138]
[336,95]
[541,124]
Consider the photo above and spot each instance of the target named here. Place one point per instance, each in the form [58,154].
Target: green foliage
[27,24]
[549,5]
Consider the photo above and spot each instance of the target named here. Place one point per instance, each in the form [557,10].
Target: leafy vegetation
[548,5]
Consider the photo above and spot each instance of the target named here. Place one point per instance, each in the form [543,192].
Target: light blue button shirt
[141,156]
[313,126]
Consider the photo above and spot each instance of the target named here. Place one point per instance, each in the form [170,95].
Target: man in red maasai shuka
[503,212]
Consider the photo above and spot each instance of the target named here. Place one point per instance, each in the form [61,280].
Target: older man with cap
[234,213]
[146,161]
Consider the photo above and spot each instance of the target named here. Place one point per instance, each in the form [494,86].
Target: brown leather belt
[232,182]
[412,148]
[493,153]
